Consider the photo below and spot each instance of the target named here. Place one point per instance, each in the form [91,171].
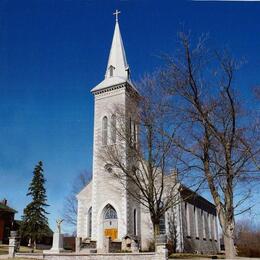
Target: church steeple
[117,71]
[117,64]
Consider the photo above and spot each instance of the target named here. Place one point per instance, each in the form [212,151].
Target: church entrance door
[110,222]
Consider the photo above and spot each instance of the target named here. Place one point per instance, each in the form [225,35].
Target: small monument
[134,246]
[57,243]
[160,247]
[14,244]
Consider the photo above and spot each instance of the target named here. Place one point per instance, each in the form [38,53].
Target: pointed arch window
[135,135]
[104,130]
[130,131]
[203,224]
[196,222]
[209,226]
[111,70]
[128,72]
[90,222]
[162,225]
[135,223]
[113,129]
[110,213]
[187,208]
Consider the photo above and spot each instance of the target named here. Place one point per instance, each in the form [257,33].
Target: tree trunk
[34,245]
[156,230]
[30,244]
[230,250]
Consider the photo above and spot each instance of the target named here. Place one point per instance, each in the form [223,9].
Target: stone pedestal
[107,241]
[78,244]
[57,244]
[126,244]
[14,244]
[11,250]
[134,246]
[161,252]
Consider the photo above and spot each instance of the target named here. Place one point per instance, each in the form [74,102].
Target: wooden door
[111,232]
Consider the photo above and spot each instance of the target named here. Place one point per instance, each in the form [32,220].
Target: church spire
[117,71]
[117,64]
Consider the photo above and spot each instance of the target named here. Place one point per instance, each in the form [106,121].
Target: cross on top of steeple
[116,13]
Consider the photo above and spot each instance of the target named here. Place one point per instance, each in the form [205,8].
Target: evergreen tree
[34,221]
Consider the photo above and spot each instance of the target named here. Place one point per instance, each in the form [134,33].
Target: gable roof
[86,191]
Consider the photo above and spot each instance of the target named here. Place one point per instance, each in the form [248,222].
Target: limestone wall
[142,256]
[84,204]
[29,255]
[200,232]
[111,256]
[146,229]
[106,189]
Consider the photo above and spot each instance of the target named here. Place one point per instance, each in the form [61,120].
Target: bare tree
[70,204]
[172,236]
[148,172]
[216,134]
[247,238]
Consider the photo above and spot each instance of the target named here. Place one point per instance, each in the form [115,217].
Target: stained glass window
[110,213]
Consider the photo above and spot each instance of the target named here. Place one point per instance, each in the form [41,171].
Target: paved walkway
[3,256]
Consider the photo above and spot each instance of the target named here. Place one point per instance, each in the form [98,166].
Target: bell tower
[114,213]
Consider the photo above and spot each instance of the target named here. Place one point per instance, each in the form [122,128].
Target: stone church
[105,209]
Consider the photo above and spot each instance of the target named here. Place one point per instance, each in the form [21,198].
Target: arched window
[135,223]
[111,70]
[128,72]
[110,213]
[89,221]
[135,135]
[162,225]
[130,131]
[203,224]
[209,226]
[104,130]
[113,129]
[196,222]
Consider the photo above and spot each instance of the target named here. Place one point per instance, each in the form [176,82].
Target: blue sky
[52,52]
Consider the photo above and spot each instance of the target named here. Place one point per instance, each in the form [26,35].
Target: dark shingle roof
[6,208]
[194,198]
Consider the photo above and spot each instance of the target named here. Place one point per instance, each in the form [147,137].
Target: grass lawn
[26,249]
[23,249]
[3,250]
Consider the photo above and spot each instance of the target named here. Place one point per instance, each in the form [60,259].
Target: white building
[104,207]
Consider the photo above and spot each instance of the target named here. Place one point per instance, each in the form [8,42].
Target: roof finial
[116,13]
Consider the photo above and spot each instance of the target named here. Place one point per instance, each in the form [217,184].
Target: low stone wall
[160,254]
[115,247]
[29,255]
[109,256]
